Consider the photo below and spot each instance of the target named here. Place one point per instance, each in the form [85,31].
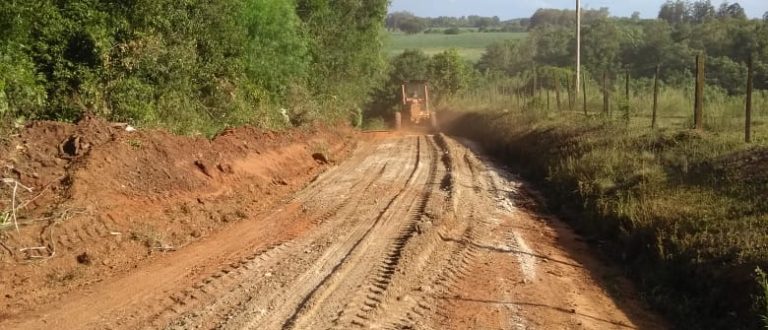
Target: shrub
[452,31]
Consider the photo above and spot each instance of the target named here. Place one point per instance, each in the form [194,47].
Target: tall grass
[683,210]
[723,113]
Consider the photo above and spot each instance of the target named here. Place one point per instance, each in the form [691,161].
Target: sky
[507,9]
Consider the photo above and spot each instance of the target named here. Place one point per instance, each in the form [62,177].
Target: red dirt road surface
[409,232]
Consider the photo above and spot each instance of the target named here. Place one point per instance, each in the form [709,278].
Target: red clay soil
[104,201]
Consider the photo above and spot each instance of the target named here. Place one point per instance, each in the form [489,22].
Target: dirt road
[412,232]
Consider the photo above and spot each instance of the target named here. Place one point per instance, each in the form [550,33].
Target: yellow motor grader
[415,106]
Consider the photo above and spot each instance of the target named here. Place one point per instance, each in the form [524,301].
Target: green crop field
[471,45]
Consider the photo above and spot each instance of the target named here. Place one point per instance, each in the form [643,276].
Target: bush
[195,66]
[452,31]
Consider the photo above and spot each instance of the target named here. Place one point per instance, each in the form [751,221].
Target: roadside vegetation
[194,68]
[683,209]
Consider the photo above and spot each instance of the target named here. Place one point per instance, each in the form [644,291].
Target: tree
[406,22]
[655,45]
[674,11]
[394,19]
[600,46]
[726,73]
[554,46]
[702,11]
[448,73]
[409,65]
[509,57]
[277,52]
[413,25]
[496,57]
[734,11]
[345,49]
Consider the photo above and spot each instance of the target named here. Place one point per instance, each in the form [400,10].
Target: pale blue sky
[524,8]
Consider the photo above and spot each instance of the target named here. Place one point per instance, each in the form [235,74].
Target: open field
[470,45]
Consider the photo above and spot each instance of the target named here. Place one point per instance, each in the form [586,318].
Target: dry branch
[15,186]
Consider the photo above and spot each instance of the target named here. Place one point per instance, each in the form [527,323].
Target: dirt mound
[743,166]
[94,199]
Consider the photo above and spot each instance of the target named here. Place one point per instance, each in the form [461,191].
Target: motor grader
[415,106]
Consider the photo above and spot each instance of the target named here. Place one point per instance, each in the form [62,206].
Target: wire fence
[641,103]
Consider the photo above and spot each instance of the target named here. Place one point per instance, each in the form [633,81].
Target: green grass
[471,45]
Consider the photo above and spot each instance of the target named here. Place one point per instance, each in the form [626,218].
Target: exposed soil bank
[684,221]
[411,231]
[102,201]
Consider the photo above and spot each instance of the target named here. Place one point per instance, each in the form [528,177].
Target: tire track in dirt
[316,195]
[371,268]
[241,284]
[311,281]
[541,280]
[412,232]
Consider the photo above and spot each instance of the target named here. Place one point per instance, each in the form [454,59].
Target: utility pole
[578,45]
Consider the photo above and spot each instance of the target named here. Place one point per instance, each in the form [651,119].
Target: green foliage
[277,51]
[565,18]
[601,45]
[448,74]
[682,210]
[21,93]
[410,65]
[406,22]
[345,49]
[510,57]
[672,203]
[452,31]
[553,45]
[193,66]
[609,44]
[727,74]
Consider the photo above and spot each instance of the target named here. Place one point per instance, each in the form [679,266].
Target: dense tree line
[609,44]
[447,73]
[564,17]
[409,23]
[190,64]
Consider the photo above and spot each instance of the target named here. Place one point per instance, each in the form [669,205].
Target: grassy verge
[684,211]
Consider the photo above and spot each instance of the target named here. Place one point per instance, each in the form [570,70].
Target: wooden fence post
[557,90]
[698,108]
[547,89]
[570,91]
[748,119]
[606,99]
[584,91]
[626,97]
[655,97]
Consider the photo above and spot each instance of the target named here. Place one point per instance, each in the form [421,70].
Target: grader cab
[415,106]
